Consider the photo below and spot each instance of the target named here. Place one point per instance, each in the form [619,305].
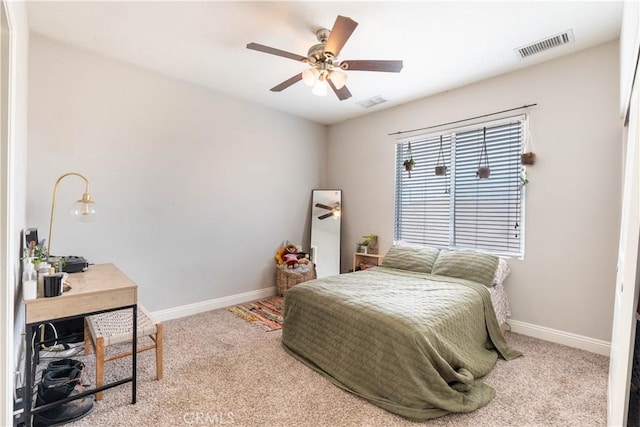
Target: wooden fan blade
[285,84]
[372,65]
[325,215]
[340,33]
[342,93]
[274,51]
[320,205]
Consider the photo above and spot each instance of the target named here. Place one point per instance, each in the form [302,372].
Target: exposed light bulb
[338,78]
[310,76]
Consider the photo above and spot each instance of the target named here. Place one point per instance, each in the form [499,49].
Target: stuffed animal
[280,254]
[303,258]
[290,257]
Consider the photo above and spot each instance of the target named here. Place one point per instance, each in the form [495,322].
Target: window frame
[451,133]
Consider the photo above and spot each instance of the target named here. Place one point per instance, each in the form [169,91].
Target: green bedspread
[414,344]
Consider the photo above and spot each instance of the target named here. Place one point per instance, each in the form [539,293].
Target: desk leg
[29,376]
[134,354]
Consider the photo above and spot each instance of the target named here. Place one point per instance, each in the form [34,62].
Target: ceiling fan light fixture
[324,67]
[320,88]
[310,76]
[338,78]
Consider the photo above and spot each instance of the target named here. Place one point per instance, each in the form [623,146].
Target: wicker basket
[287,278]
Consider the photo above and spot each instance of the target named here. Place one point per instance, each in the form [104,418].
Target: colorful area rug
[268,313]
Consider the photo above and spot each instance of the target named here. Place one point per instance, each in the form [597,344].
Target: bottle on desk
[29,281]
[43,269]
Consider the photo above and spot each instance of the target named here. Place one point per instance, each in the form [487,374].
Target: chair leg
[159,333]
[99,350]
[87,337]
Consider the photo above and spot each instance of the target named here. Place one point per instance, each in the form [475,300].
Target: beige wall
[566,280]
[195,191]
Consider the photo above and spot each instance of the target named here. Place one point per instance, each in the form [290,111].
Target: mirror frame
[332,197]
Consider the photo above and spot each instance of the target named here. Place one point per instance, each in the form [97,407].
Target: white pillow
[502,271]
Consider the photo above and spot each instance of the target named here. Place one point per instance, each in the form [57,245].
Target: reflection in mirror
[326,213]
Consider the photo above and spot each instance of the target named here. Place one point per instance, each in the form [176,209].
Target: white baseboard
[561,337]
[541,332]
[212,304]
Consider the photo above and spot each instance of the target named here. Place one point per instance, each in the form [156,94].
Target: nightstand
[364,261]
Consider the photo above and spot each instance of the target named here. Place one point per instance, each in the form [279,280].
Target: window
[458,209]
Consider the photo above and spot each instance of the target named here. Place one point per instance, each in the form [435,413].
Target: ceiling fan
[335,211]
[326,69]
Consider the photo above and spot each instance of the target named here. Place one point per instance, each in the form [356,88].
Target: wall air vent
[546,44]
[368,103]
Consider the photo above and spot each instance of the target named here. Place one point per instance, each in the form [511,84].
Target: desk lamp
[83,210]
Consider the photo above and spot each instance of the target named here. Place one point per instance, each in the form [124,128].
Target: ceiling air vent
[546,44]
[367,103]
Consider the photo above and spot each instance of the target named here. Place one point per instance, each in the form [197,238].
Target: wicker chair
[103,330]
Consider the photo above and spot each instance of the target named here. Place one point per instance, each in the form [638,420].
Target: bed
[414,340]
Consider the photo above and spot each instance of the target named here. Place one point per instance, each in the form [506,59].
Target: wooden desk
[101,288]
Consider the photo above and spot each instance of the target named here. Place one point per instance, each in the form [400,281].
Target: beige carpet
[221,370]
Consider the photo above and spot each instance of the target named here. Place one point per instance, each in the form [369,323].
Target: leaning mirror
[326,213]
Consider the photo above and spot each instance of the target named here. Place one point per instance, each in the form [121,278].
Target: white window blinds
[458,209]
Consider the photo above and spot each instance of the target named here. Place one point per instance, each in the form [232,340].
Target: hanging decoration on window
[441,169]
[523,178]
[483,162]
[528,156]
[409,163]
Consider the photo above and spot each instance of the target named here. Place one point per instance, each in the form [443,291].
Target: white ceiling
[443,44]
